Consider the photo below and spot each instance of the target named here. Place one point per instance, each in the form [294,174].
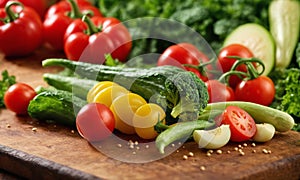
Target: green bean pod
[180,131]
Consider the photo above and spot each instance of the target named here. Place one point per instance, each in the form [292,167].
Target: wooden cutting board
[37,150]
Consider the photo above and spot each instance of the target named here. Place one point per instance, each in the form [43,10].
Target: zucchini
[261,114]
[55,105]
[284,18]
[180,92]
[79,87]
[259,41]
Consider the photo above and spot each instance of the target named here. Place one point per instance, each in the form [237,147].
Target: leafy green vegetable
[214,20]
[5,83]
[287,98]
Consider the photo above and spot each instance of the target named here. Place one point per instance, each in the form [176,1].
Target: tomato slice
[242,125]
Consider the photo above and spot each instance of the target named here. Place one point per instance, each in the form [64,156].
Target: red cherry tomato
[219,92]
[226,62]
[95,122]
[242,125]
[184,53]
[260,90]
[17,98]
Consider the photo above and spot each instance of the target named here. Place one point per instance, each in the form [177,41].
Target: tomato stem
[75,11]
[201,67]
[92,29]
[252,72]
[11,16]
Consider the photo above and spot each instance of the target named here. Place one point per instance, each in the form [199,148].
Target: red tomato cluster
[88,40]
[255,88]
[242,85]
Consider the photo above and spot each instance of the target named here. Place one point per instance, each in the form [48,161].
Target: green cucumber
[79,87]
[261,114]
[258,39]
[180,92]
[284,18]
[55,105]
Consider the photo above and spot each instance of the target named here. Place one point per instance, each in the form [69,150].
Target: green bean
[180,131]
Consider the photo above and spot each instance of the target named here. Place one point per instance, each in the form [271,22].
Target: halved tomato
[242,125]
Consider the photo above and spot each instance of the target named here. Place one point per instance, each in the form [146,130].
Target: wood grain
[58,152]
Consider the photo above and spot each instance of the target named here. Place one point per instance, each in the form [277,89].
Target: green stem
[75,11]
[201,67]
[224,77]
[92,29]
[252,71]
[11,16]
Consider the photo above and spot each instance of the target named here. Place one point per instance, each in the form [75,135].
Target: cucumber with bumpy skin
[258,40]
[180,92]
[55,105]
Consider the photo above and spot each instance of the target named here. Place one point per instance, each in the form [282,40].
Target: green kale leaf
[5,83]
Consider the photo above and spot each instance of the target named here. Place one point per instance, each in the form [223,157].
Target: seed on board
[253,144]
[219,151]
[208,154]
[119,145]
[265,151]
[191,154]
[34,129]
[147,146]
[202,168]
[185,157]
[210,151]
[254,151]
[8,126]
[242,153]
[245,144]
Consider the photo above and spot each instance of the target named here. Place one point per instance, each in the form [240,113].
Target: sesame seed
[253,144]
[245,144]
[191,154]
[134,153]
[242,153]
[236,148]
[228,152]
[173,145]
[137,148]
[147,146]
[202,168]
[34,129]
[72,131]
[8,126]
[254,151]
[185,157]
[210,151]
[208,154]
[136,143]
[265,151]
[219,151]
[119,145]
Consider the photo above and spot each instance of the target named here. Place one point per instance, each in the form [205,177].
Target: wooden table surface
[37,150]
